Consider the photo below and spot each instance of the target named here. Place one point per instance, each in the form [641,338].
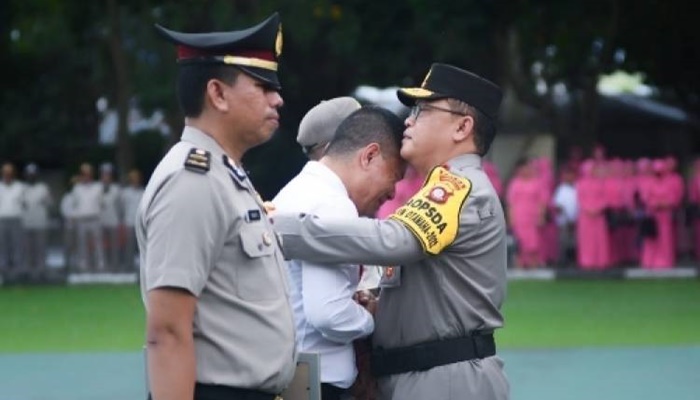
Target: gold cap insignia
[425,81]
[278,42]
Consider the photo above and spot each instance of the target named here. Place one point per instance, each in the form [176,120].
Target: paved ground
[567,374]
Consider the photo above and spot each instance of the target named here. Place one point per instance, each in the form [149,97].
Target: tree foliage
[61,56]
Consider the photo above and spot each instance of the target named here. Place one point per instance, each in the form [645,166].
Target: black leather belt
[203,391]
[426,355]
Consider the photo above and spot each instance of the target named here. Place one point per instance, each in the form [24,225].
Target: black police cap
[254,50]
[446,81]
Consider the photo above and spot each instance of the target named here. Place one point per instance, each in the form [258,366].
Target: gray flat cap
[320,123]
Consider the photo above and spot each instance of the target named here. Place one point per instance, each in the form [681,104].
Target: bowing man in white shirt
[355,176]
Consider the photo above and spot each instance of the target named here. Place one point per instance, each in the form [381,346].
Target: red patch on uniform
[389,272]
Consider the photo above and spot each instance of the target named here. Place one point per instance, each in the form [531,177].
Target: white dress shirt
[68,205]
[11,199]
[37,201]
[130,199]
[327,318]
[565,199]
[109,217]
[88,199]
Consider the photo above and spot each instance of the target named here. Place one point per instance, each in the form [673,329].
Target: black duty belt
[203,391]
[426,355]
[206,391]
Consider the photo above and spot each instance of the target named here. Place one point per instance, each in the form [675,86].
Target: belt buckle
[278,397]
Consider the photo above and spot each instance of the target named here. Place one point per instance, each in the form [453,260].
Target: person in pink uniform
[494,177]
[575,159]
[526,203]
[629,248]
[677,192]
[592,230]
[645,180]
[615,192]
[694,209]
[599,154]
[659,252]
[549,233]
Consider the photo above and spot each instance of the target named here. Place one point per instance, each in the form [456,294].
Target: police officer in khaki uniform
[213,279]
[441,302]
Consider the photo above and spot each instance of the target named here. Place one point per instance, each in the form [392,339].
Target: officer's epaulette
[198,160]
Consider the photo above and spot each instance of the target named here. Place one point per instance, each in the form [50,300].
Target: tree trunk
[122,91]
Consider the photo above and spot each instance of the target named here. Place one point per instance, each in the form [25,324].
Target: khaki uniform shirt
[206,232]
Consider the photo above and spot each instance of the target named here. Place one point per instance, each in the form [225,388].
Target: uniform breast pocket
[259,277]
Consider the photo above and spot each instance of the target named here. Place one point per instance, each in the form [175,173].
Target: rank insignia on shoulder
[198,161]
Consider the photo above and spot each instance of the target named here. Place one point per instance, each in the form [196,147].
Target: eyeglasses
[418,108]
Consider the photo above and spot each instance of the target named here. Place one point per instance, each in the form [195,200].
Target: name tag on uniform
[253,215]
[391,277]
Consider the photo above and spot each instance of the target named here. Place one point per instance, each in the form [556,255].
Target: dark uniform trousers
[330,392]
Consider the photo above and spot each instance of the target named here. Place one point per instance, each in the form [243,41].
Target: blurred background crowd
[598,103]
[90,226]
[600,213]
[591,213]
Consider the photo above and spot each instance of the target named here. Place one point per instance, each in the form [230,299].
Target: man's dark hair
[369,124]
[192,84]
[484,128]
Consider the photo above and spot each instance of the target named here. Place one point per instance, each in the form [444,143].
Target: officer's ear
[216,94]
[465,128]
[369,153]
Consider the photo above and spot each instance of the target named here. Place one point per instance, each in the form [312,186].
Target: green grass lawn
[77,318]
[601,313]
[538,315]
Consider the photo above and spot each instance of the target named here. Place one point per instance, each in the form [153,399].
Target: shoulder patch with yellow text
[432,214]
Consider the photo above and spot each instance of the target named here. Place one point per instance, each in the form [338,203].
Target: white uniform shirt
[11,199]
[565,198]
[109,217]
[88,199]
[327,319]
[68,204]
[37,200]
[130,198]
